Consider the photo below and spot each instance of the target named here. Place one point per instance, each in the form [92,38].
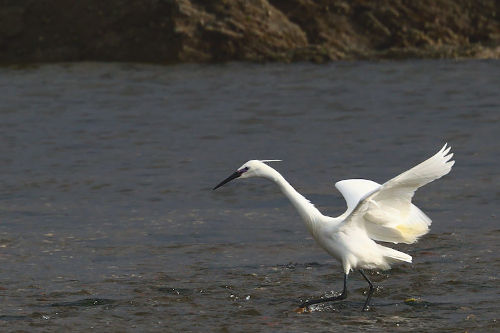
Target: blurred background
[117,118]
[174,31]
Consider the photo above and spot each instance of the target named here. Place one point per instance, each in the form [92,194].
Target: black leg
[328,299]
[366,307]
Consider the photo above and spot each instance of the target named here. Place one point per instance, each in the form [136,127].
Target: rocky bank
[175,31]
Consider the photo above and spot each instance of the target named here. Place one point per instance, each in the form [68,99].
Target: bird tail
[393,256]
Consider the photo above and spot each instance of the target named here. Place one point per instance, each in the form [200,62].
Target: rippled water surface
[108,220]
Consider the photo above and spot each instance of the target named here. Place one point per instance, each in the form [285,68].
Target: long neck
[310,214]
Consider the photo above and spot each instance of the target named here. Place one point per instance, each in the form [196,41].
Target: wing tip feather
[447,156]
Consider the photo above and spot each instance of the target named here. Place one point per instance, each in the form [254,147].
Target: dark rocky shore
[175,31]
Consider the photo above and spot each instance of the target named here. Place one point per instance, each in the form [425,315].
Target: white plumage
[374,213]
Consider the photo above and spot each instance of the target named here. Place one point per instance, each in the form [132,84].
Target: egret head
[252,168]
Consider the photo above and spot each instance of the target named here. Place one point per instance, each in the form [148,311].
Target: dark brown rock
[172,31]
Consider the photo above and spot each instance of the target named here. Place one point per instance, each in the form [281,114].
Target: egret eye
[245,169]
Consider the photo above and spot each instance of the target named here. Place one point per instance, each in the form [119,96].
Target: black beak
[228,179]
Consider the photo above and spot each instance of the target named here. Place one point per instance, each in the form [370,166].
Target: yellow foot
[301,310]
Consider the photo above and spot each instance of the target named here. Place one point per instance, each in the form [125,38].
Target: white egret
[374,213]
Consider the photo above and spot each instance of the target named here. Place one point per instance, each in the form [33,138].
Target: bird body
[374,213]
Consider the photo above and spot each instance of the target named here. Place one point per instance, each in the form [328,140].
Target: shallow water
[109,221]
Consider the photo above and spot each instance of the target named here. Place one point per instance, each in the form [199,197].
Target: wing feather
[387,212]
[353,191]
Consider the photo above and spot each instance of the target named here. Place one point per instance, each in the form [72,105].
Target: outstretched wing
[353,190]
[387,212]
